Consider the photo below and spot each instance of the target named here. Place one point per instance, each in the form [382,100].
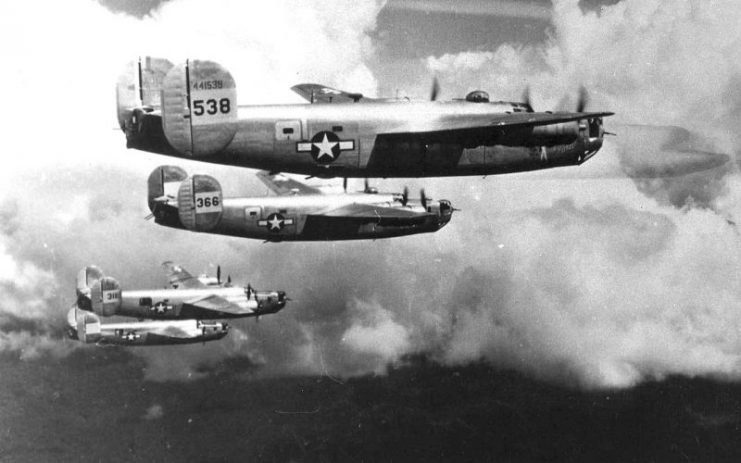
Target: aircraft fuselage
[371,139]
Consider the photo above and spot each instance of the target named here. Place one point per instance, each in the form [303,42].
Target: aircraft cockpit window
[145,302]
[253,213]
[288,130]
[336,128]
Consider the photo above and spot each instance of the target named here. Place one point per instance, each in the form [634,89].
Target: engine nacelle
[106,296]
[555,134]
[199,108]
[200,203]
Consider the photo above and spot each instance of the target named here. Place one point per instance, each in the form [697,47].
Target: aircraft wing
[371,213]
[316,93]
[485,122]
[181,278]
[284,186]
[214,303]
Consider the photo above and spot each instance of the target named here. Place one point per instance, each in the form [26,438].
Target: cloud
[376,333]
[155,412]
[32,346]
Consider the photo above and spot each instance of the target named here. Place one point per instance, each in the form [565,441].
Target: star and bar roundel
[275,222]
[325,147]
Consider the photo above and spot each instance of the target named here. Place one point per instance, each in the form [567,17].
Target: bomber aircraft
[175,314]
[86,327]
[190,111]
[298,213]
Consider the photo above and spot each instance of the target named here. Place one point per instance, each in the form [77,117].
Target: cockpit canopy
[477,96]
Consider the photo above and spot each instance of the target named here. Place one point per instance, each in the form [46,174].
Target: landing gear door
[332,144]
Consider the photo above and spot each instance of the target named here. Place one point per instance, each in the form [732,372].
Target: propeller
[435,90]
[366,188]
[423,198]
[583,99]
[228,280]
[218,274]
[344,184]
[581,102]
[526,99]
[405,196]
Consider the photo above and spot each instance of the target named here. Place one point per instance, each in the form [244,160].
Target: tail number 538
[211,106]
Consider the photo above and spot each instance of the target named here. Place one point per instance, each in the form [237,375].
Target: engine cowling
[200,203]
[106,296]
[556,134]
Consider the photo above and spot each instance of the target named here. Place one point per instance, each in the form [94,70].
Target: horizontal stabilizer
[316,93]
[285,186]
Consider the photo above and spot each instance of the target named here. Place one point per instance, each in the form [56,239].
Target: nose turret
[446,212]
[270,301]
[593,141]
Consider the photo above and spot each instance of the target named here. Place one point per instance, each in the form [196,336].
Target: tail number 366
[207,202]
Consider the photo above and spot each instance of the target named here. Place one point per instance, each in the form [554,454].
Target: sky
[593,277]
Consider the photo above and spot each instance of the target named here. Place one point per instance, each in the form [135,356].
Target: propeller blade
[365,186]
[435,89]
[218,274]
[423,198]
[344,184]
[229,280]
[149,217]
[526,99]
[583,99]
[405,196]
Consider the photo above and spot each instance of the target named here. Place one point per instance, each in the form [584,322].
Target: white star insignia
[275,223]
[325,148]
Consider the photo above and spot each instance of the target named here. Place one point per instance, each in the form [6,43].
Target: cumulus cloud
[375,332]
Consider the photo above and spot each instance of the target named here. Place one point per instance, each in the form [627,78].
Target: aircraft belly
[411,155]
[318,228]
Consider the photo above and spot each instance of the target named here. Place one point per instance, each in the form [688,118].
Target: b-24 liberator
[86,327]
[175,315]
[298,212]
[191,111]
